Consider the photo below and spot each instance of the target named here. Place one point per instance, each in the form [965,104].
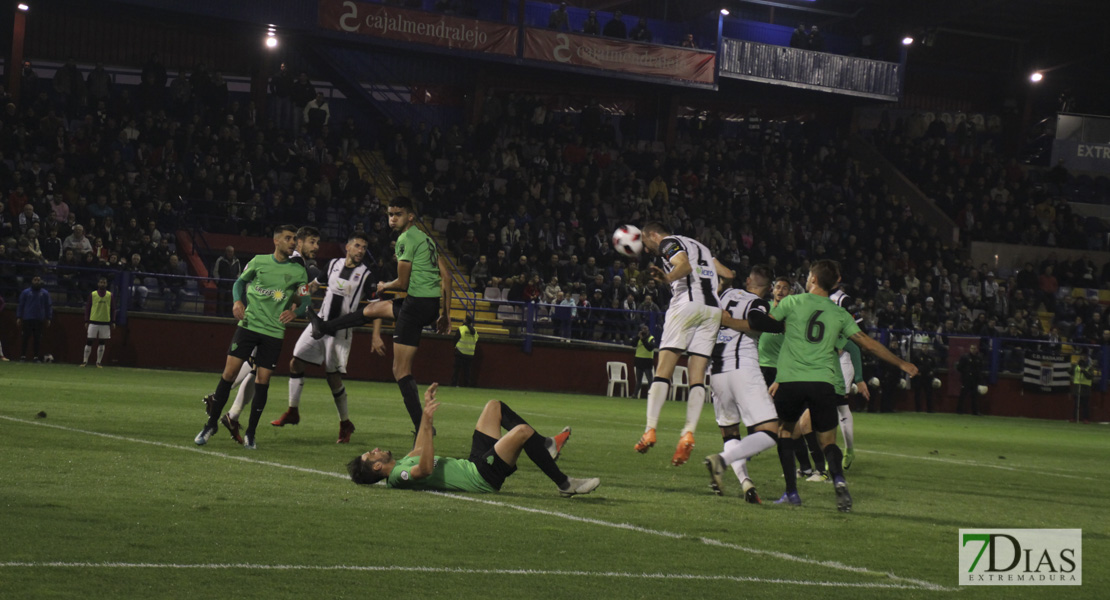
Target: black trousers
[32,328]
[461,375]
[644,368]
[1082,396]
[923,396]
[969,391]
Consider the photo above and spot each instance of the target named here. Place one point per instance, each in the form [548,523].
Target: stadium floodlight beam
[23,7]
[1036,77]
[907,41]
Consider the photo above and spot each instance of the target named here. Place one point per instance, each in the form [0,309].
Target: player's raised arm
[867,343]
[723,271]
[425,447]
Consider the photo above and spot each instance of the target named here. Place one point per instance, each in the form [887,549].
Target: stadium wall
[200,344]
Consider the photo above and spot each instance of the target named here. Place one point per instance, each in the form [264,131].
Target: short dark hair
[403,203]
[306,232]
[784,279]
[358,235]
[285,229]
[362,473]
[655,227]
[763,272]
[827,273]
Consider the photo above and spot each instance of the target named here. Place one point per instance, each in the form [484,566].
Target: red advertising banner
[617,55]
[419,27]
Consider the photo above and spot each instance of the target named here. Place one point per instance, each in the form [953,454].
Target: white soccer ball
[48,358]
[874,382]
[936,383]
[982,390]
[903,383]
[628,240]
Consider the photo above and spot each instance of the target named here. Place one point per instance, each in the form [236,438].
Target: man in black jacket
[923,383]
[616,28]
[970,368]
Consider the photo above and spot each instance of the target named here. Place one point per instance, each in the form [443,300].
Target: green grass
[68,495]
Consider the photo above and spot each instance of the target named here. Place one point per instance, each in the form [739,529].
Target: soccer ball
[874,382]
[982,390]
[936,383]
[903,383]
[627,240]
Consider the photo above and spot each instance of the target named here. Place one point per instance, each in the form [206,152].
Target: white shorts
[99,332]
[330,351]
[692,328]
[848,370]
[741,396]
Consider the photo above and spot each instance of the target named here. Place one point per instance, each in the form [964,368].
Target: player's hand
[313,286]
[443,324]
[861,387]
[239,310]
[430,402]
[657,273]
[381,286]
[774,388]
[909,368]
[287,317]
[377,346]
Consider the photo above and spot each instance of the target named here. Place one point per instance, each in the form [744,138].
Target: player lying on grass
[492,456]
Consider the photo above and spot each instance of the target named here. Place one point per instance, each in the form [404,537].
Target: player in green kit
[492,456]
[808,370]
[423,274]
[265,294]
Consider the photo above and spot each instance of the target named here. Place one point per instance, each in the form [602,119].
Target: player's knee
[524,431]
[89,342]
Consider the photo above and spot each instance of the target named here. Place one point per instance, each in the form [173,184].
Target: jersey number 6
[815,330]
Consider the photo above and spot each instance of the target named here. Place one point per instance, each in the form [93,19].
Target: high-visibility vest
[101,309]
[1079,378]
[468,340]
[642,351]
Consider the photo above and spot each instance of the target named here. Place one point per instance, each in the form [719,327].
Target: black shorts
[246,341]
[792,399]
[413,315]
[490,466]
[769,374]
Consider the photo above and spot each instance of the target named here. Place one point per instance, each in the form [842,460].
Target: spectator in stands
[70,85]
[558,20]
[301,92]
[687,42]
[173,287]
[799,38]
[227,269]
[640,32]
[591,25]
[1049,286]
[77,241]
[480,273]
[317,114]
[815,40]
[139,290]
[99,84]
[616,28]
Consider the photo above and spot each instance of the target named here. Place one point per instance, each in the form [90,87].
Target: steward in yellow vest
[466,342]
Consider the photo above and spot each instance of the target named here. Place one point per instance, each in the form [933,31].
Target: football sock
[802,457]
[847,426]
[740,467]
[509,418]
[223,390]
[88,349]
[341,403]
[657,395]
[355,319]
[411,396]
[245,371]
[694,403]
[786,458]
[835,458]
[536,449]
[245,392]
[749,446]
[296,386]
[99,353]
[258,404]
[814,450]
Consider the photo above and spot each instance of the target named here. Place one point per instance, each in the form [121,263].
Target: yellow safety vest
[468,339]
[642,351]
[101,310]
[1079,378]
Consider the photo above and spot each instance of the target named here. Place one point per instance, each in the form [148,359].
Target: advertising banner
[618,55]
[418,27]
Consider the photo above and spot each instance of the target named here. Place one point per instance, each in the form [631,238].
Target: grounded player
[843,410]
[692,322]
[306,245]
[346,280]
[423,274]
[808,371]
[739,392]
[492,457]
[100,313]
[271,284]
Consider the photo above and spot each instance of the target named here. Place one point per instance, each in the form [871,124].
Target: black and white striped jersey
[346,286]
[700,286]
[735,349]
[843,300]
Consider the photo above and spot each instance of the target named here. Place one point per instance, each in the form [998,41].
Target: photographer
[644,363]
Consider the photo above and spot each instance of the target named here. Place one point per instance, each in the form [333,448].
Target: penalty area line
[835,565]
[972,463]
[456,571]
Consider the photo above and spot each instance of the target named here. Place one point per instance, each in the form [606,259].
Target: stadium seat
[492,293]
[618,377]
[680,381]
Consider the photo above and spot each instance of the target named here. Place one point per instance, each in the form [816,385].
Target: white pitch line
[836,565]
[972,463]
[455,571]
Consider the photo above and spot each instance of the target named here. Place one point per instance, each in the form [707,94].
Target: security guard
[466,340]
[644,363]
[1081,378]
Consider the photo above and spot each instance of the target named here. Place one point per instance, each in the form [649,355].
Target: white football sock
[99,353]
[748,447]
[657,395]
[244,373]
[847,425]
[740,467]
[694,403]
[341,403]
[244,395]
[88,349]
[296,386]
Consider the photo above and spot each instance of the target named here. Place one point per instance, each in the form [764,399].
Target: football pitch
[107,496]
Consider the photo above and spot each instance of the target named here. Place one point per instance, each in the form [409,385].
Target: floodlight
[1036,77]
[907,41]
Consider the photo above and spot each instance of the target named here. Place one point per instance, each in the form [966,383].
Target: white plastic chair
[618,376]
[492,293]
[680,381]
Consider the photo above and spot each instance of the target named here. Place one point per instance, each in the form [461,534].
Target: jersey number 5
[815,330]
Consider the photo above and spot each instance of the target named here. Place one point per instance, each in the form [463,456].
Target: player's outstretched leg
[657,395]
[847,427]
[834,457]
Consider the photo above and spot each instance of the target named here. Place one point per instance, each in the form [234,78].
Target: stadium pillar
[15,64]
